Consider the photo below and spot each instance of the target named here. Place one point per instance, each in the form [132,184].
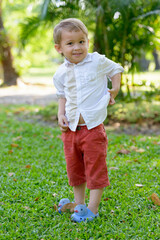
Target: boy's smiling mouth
[77,54]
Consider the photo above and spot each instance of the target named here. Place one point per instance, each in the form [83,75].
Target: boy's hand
[63,123]
[113,92]
[112,101]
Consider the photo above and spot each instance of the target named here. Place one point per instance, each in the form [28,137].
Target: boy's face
[74,46]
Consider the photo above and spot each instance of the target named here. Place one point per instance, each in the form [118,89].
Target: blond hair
[69,24]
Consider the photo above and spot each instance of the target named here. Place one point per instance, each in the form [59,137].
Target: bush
[134,112]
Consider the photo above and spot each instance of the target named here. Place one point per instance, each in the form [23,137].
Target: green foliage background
[122,31]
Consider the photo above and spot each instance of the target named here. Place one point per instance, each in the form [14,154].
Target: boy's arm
[62,120]
[116,80]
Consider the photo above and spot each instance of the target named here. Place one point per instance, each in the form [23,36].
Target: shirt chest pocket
[88,78]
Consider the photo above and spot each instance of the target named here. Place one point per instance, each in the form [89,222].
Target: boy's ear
[88,42]
[58,48]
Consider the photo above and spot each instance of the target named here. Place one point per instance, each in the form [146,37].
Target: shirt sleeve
[109,67]
[59,87]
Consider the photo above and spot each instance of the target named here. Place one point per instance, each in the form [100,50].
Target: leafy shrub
[134,112]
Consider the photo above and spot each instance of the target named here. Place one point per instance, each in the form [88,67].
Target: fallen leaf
[19,110]
[55,207]
[114,168]
[47,133]
[68,207]
[27,208]
[28,166]
[14,145]
[54,194]
[154,207]
[123,151]
[143,139]
[155,199]
[122,221]
[45,138]
[36,199]
[106,199]
[136,160]
[51,147]
[16,138]
[10,151]
[138,185]
[11,174]
[140,150]
[156,143]
[133,148]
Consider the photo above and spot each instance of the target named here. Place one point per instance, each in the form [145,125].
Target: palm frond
[154,12]
[44,9]
[29,28]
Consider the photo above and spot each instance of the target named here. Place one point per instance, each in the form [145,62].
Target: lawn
[33,179]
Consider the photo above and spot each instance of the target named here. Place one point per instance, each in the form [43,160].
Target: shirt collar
[88,58]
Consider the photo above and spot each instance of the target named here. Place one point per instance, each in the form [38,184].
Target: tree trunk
[100,35]
[9,73]
[155,55]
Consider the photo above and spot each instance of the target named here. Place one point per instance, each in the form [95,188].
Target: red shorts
[85,153]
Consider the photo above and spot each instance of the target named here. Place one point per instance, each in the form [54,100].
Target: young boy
[81,83]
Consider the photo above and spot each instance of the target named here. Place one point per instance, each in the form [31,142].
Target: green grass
[33,178]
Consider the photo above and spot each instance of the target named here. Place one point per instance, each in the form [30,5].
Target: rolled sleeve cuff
[115,71]
[60,96]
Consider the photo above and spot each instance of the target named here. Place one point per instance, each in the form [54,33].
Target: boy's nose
[76,46]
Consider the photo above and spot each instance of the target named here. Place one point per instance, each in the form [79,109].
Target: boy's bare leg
[79,193]
[95,199]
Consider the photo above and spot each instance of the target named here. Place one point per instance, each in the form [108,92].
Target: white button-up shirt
[84,85]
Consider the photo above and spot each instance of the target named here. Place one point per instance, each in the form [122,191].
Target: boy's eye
[70,43]
[82,41]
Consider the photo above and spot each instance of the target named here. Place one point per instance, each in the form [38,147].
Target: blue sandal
[82,213]
[62,202]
